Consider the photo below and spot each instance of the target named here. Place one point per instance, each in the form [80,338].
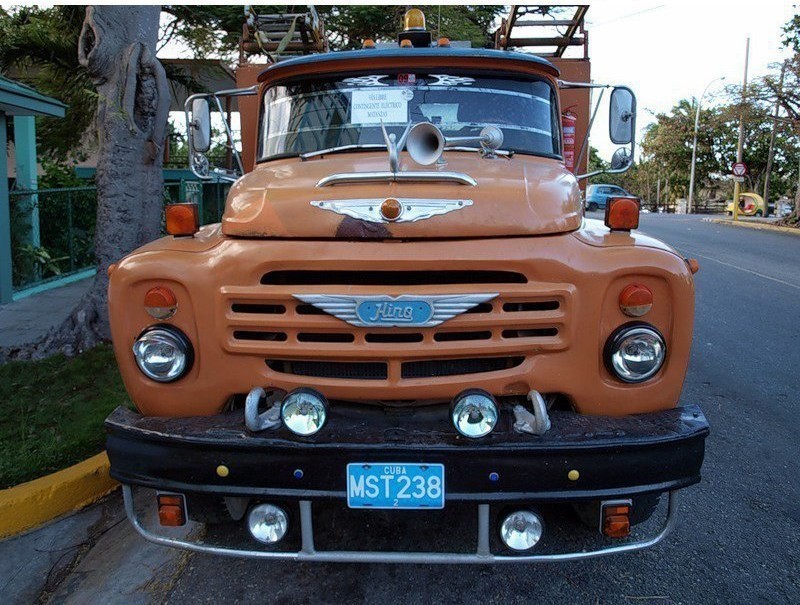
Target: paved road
[738,540]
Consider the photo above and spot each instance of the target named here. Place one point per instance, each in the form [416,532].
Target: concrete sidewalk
[25,321]
[92,556]
[767,224]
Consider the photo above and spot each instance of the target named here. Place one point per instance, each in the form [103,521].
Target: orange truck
[404,310]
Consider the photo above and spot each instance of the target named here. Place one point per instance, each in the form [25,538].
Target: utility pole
[736,184]
[771,152]
[690,205]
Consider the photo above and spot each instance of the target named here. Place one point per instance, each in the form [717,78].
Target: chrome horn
[426,143]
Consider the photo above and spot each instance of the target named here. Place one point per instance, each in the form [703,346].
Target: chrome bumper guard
[482,555]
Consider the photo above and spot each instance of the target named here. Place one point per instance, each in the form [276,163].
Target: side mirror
[200,126]
[622,116]
[621,159]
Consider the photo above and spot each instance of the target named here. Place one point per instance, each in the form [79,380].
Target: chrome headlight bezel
[172,336]
[612,357]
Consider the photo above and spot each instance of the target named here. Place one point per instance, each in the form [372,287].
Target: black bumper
[614,457]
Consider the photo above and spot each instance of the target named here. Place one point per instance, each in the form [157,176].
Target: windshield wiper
[340,148]
[501,152]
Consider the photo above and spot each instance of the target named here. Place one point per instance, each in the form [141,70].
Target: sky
[669,50]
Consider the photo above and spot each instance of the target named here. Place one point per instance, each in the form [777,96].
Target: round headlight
[635,353]
[267,523]
[474,413]
[521,530]
[304,411]
[163,353]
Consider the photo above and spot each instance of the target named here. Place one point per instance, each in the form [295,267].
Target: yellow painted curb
[752,225]
[35,502]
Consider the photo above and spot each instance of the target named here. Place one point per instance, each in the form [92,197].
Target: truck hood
[523,195]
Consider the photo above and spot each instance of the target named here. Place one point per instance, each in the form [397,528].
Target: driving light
[521,530]
[163,353]
[267,523]
[636,352]
[304,411]
[474,413]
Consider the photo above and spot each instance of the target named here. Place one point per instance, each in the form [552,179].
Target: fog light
[521,530]
[163,353]
[635,353]
[267,523]
[474,413]
[304,411]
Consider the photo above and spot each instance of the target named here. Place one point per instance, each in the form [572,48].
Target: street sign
[738,179]
[739,169]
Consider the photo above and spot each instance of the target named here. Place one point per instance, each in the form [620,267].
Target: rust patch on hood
[353,228]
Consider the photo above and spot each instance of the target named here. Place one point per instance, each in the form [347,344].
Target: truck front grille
[430,368]
[527,318]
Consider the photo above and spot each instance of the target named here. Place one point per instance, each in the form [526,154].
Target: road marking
[756,273]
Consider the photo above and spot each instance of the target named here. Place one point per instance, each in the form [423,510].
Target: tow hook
[536,423]
[254,421]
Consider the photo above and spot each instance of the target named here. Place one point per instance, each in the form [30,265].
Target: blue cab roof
[404,53]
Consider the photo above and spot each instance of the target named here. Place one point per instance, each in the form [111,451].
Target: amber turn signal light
[616,521]
[622,213]
[160,302]
[182,219]
[171,510]
[635,300]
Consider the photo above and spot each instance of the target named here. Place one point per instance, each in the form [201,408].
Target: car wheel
[592,207]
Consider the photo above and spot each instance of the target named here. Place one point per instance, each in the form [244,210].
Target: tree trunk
[117,46]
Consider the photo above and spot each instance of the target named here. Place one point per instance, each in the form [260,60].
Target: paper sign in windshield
[376,106]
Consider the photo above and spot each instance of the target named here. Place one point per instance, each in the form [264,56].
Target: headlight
[304,411]
[163,353]
[474,413]
[635,353]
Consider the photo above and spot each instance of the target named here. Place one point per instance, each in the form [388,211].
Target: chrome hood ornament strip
[411,209]
[405,311]
[415,176]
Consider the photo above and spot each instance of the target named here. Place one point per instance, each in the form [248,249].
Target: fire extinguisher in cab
[568,120]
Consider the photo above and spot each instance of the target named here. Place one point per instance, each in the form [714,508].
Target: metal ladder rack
[548,30]
[279,35]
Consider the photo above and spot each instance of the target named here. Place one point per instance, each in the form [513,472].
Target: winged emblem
[405,311]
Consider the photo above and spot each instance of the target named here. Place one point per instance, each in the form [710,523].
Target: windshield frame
[555,103]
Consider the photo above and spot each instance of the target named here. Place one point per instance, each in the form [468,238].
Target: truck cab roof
[398,55]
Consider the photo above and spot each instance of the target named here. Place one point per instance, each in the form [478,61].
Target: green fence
[64,244]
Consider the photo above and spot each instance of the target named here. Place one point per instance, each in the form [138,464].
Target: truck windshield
[312,115]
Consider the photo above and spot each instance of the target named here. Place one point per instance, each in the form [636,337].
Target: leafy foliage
[350,25]
[39,47]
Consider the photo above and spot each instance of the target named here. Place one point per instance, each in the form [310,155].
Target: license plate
[395,485]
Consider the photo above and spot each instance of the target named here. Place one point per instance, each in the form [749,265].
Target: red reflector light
[622,213]
[160,302]
[182,219]
[171,510]
[635,300]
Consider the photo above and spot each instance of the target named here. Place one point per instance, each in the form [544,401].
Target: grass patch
[52,412]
